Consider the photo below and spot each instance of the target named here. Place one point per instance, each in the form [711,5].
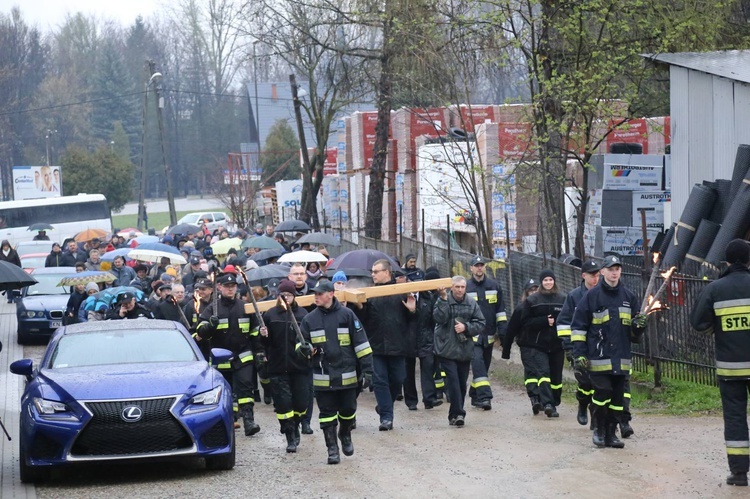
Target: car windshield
[26,247]
[121,346]
[33,262]
[47,285]
[191,218]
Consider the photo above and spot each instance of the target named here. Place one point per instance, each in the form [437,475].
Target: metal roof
[732,64]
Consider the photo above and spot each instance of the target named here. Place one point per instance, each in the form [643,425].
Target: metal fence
[670,348]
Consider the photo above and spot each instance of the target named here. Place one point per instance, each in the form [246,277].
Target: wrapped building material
[741,168]
[723,190]
[699,248]
[735,225]
[700,203]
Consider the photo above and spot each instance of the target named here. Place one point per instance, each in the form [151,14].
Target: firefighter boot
[583,414]
[295,431]
[248,421]
[626,431]
[333,444]
[345,435]
[291,444]
[738,479]
[610,436]
[599,415]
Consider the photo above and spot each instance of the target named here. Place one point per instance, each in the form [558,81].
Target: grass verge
[674,397]
[156,220]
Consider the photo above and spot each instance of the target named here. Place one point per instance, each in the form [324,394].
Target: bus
[69,215]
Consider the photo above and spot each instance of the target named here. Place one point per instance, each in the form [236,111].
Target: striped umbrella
[86,277]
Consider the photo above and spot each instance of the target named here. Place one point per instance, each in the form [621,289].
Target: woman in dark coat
[8,254]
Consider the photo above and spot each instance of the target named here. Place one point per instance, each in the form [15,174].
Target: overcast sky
[51,13]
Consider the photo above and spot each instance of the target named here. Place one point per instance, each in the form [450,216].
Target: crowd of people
[332,350]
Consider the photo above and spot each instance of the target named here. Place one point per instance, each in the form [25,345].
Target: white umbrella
[302,256]
[147,255]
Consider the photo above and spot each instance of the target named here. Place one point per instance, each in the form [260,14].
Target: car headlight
[204,401]
[53,408]
[31,314]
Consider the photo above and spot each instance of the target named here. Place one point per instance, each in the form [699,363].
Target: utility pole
[167,170]
[142,171]
[307,205]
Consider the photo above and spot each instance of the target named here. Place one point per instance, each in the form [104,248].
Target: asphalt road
[506,452]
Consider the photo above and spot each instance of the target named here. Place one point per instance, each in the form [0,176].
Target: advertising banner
[633,132]
[625,241]
[514,140]
[633,172]
[33,182]
[652,202]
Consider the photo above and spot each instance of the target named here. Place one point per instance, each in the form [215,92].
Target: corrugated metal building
[710,116]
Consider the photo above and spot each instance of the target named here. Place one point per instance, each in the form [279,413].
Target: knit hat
[286,286]
[546,273]
[738,251]
[171,271]
[92,286]
[339,277]
[431,274]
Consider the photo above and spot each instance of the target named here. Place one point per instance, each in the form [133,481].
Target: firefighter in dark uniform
[541,350]
[202,289]
[342,355]
[606,320]
[590,276]
[288,363]
[723,308]
[488,295]
[229,327]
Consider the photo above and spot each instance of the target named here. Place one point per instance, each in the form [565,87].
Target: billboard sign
[33,182]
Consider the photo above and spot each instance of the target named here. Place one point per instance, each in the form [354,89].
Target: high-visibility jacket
[723,307]
[489,296]
[565,319]
[601,329]
[281,344]
[536,331]
[236,330]
[342,350]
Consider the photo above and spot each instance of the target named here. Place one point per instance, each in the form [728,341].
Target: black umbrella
[14,277]
[360,259]
[184,229]
[40,226]
[292,226]
[319,238]
[266,254]
[261,275]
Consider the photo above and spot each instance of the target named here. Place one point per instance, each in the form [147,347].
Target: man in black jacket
[341,356]
[488,295]
[386,321]
[722,310]
[127,307]
[229,327]
[288,363]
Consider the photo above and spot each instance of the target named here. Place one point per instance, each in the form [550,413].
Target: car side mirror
[218,356]
[23,367]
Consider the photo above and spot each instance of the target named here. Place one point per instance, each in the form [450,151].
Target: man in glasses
[298,275]
[386,320]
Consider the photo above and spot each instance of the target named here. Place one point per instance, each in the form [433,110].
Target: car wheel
[30,474]
[223,461]
[22,338]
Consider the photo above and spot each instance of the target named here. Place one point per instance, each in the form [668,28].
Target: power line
[70,104]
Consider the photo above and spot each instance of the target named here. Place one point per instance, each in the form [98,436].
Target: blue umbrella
[159,247]
[141,240]
[361,259]
[107,297]
[110,255]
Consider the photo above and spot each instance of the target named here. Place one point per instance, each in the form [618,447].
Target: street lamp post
[46,140]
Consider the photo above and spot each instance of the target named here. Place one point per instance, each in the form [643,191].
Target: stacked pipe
[723,190]
[701,201]
[699,248]
[667,240]
[741,168]
[735,225]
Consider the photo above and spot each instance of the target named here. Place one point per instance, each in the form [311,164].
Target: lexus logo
[131,414]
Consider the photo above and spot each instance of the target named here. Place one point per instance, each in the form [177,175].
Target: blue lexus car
[40,308]
[123,390]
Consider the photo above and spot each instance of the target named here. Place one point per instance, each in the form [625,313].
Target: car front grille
[108,434]
[216,436]
[45,448]
[56,314]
